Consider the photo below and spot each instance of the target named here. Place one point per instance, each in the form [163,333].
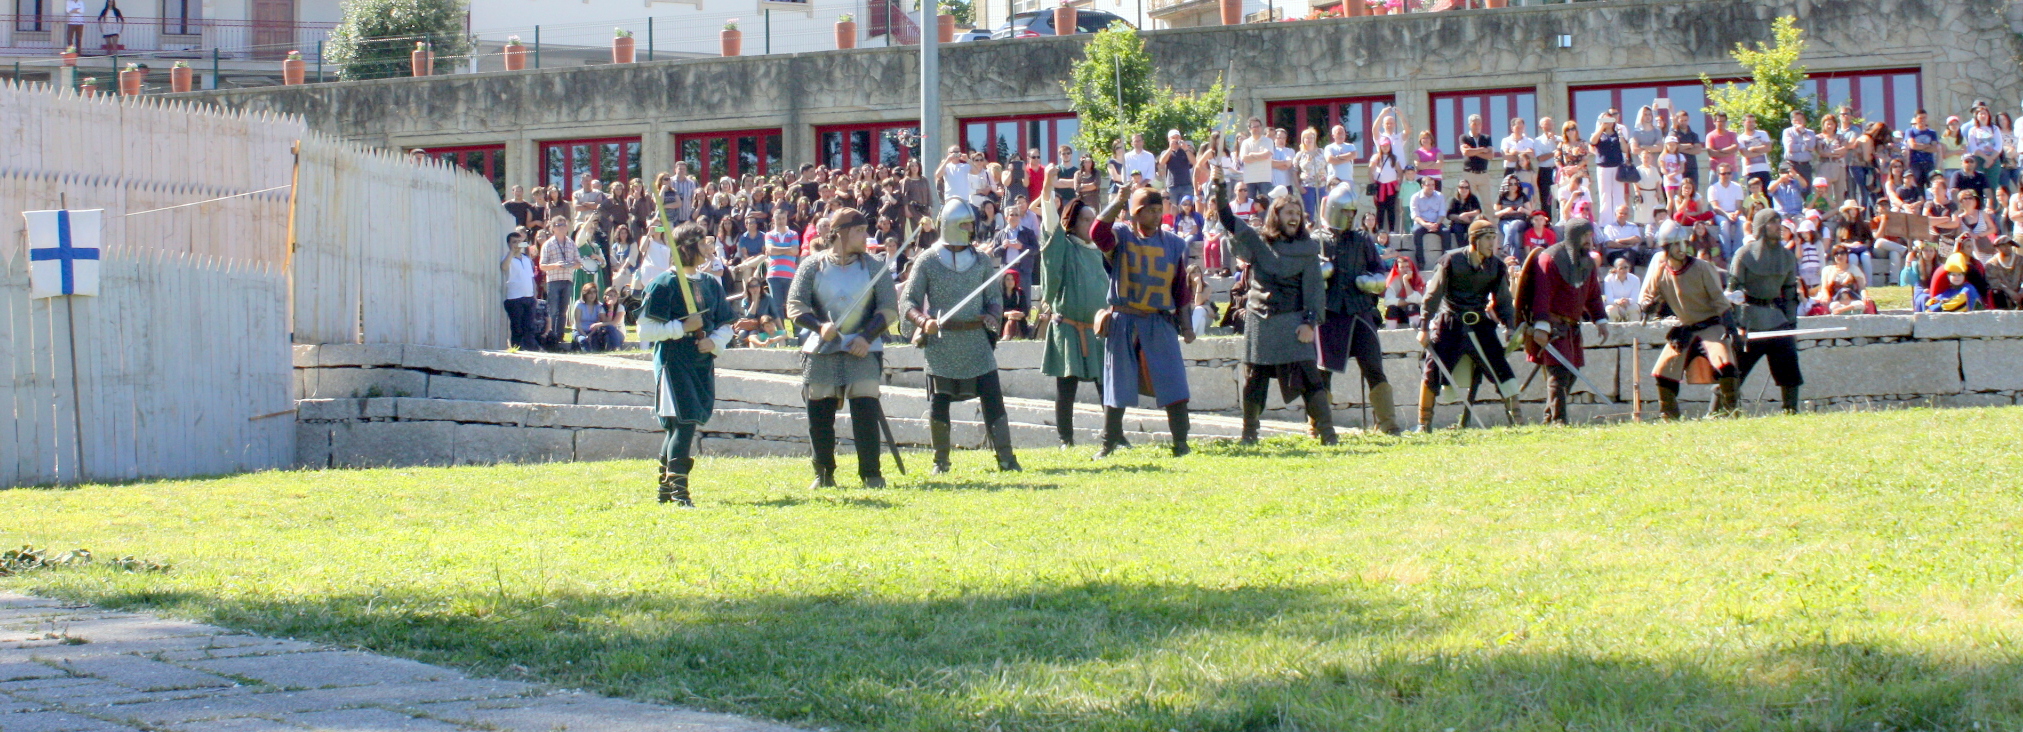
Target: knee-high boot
[1790,399]
[676,489]
[1426,401]
[1064,409]
[1176,422]
[1668,399]
[822,436]
[1321,415]
[1001,438]
[1113,432]
[1256,389]
[938,433]
[1384,407]
[864,418]
[1727,395]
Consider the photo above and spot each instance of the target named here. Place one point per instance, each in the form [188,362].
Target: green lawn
[1826,572]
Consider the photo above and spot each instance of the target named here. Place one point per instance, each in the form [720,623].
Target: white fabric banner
[63,252]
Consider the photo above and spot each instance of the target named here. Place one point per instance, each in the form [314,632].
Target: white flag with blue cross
[63,252]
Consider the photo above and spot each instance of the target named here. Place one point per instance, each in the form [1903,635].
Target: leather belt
[1087,330]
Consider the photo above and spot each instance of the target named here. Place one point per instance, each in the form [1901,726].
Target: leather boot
[1113,432]
[676,489]
[1253,413]
[1176,422]
[1790,399]
[666,493]
[1668,400]
[1064,411]
[822,436]
[1322,416]
[1000,437]
[1384,408]
[938,433]
[1426,400]
[1726,393]
[864,417]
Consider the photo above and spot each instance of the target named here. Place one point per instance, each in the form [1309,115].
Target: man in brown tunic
[1697,350]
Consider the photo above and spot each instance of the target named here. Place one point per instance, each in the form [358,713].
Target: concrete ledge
[497,365]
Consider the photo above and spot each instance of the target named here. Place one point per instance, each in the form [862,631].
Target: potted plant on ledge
[846,31]
[1064,19]
[130,80]
[944,25]
[181,77]
[291,69]
[516,54]
[732,39]
[421,59]
[623,48]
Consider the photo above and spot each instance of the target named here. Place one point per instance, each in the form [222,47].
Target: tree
[1115,94]
[963,10]
[1775,85]
[374,37]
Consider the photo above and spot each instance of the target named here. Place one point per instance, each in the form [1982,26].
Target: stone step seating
[363,405]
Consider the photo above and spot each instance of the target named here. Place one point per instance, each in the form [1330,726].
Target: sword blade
[1793,333]
[987,281]
[885,426]
[1584,380]
[1482,358]
[815,344]
[1466,403]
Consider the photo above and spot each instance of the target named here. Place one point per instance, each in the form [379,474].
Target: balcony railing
[167,37]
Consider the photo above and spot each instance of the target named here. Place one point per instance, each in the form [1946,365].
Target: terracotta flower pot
[423,62]
[89,88]
[733,42]
[291,71]
[623,50]
[1353,9]
[944,28]
[130,82]
[181,79]
[516,57]
[846,34]
[69,58]
[1064,20]
[1232,12]
[1495,3]
[1380,9]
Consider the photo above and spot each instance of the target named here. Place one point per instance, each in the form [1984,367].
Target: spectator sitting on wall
[593,334]
[1620,290]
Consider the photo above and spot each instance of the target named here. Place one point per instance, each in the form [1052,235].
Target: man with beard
[1283,307]
[1460,332]
[956,342]
[1145,322]
[1557,289]
[1349,329]
[1696,350]
[844,358]
[1764,278]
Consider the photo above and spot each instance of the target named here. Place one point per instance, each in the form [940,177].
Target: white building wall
[677,28]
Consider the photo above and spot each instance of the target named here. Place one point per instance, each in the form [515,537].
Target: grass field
[1825,572]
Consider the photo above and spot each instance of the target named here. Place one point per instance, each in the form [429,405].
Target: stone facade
[1962,49]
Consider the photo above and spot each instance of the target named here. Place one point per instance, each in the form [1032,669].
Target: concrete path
[68,668]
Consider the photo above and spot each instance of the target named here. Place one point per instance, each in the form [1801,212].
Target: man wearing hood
[1763,277]
[1558,288]
[956,341]
[1282,310]
[1696,350]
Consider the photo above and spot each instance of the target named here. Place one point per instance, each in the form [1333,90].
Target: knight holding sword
[1558,288]
[1468,296]
[844,299]
[952,301]
[1763,280]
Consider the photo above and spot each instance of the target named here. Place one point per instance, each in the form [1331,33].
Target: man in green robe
[1074,286]
[687,325]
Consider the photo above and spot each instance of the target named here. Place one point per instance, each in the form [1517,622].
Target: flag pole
[76,396]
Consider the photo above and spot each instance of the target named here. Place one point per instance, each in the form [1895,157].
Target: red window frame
[847,159]
[490,163]
[1515,105]
[594,149]
[1873,110]
[768,143]
[1301,110]
[1586,116]
[1049,125]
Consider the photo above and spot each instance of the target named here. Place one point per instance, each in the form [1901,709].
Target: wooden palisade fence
[184,361]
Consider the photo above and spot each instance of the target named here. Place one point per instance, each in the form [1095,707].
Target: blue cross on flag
[63,249]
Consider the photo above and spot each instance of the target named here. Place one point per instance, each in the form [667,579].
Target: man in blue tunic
[1143,325]
[688,321]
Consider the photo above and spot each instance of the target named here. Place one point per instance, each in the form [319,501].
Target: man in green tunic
[1074,286]
[688,321]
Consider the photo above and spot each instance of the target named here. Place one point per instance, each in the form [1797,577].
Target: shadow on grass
[1004,482]
[792,501]
[1108,656]
[1099,467]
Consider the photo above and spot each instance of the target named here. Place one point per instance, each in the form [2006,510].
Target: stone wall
[1960,53]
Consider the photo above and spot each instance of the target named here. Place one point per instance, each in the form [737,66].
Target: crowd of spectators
[1932,207]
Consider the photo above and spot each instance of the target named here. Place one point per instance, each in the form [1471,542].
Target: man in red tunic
[1559,287]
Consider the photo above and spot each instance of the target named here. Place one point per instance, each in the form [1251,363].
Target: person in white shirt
[1341,157]
[1622,237]
[1545,150]
[1725,196]
[1513,146]
[1429,218]
[73,28]
[1141,161]
[1755,146]
[518,269]
[953,175]
[1255,153]
[1620,290]
[1798,141]
[1283,171]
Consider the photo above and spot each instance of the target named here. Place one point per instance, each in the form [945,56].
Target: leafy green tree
[1115,94]
[374,38]
[1775,86]
[963,10]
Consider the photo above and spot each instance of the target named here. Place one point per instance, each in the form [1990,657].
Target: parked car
[975,34]
[1033,24]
